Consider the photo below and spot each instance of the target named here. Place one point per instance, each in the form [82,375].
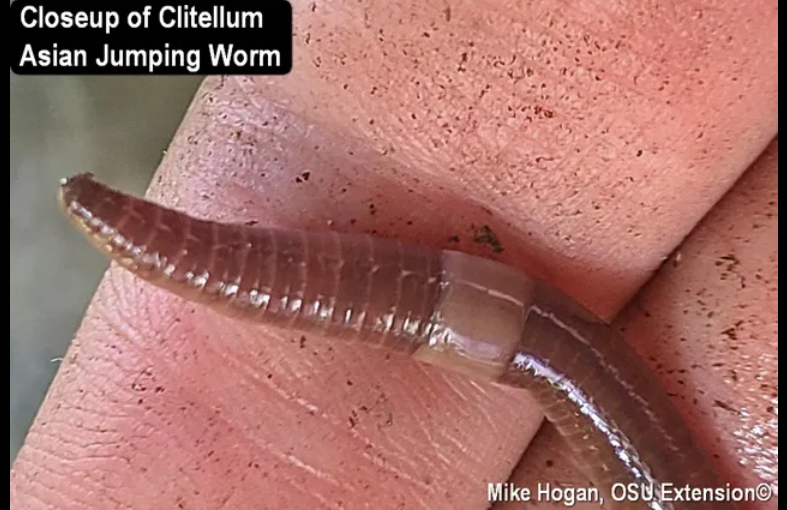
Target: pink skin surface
[591,155]
[718,296]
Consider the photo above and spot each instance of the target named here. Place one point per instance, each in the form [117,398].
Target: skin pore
[590,156]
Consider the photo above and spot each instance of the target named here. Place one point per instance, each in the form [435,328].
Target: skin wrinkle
[78,492]
[98,480]
[286,397]
[399,472]
[404,452]
[267,448]
[38,497]
[201,174]
[136,425]
[400,449]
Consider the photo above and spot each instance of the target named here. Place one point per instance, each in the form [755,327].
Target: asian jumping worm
[461,312]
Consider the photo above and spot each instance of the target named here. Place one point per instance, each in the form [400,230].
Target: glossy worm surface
[461,312]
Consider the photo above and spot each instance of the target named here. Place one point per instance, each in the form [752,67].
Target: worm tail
[351,286]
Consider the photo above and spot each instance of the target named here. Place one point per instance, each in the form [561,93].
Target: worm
[464,313]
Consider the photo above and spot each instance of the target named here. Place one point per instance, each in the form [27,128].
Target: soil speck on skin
[731,261]
[485,235]
[725,406]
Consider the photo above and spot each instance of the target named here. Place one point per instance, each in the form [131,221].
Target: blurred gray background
[117,127]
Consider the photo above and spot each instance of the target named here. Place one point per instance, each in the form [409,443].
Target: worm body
[461,312]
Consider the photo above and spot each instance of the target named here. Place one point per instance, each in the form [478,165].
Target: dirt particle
[729,259]
[727,407]
[485,235]
[730,333]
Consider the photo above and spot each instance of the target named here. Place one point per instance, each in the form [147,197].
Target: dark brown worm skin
[464,313]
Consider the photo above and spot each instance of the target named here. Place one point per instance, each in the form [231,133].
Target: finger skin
[718,296]
[600,133]
[165,403]
[162,404]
